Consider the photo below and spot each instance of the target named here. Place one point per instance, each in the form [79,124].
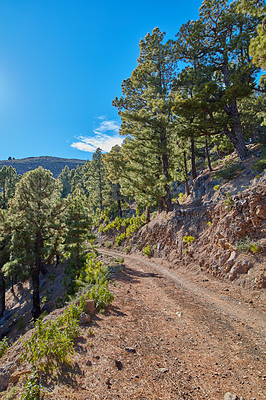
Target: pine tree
[8,180]
[145,108]
[219,41]
[65,178]
[97,183]
[78,222]
[257,47]
[36,211]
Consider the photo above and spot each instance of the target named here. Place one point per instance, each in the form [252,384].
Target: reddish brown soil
[170,335]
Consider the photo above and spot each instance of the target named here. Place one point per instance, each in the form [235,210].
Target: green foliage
[78,223]
[209,223]
[229,172]
[51,343]
[229,202]
[94,272]
[32,389]
[120,260]
[247,245]
[119,239]
[181,197]
[3,346]
[188,239]
[147,251]
[108,245]
[101,295]
[216,188]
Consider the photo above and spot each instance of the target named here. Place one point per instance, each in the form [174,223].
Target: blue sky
[62,63]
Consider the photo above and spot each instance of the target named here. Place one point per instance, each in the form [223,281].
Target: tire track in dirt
[240,312]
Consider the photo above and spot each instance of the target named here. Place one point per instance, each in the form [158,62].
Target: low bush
[229,202]
[147,251]
[3,346]
[101,295]
[188,239]
[51,343]
[119,239]
[247,245]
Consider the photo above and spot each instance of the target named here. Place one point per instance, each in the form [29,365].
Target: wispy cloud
[100,138]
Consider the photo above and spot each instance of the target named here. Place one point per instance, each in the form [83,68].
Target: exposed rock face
[217,229]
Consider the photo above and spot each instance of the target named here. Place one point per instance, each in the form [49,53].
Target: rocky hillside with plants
[219,228]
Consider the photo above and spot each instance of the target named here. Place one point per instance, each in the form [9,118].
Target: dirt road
[172,334]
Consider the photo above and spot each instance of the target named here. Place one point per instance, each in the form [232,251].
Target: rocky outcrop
[218,230]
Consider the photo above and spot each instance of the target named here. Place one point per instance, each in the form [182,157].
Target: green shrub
[3,346]
[120,260]
[108,245]
[188,239]
[147,251]
[51,343]
[119,239]
[181,197]
[101,295]
[94,272]
[230,172]
[229,202]
[246,245]
[32,389]
[216,187]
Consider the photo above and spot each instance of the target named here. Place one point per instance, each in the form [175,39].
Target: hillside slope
[54,164]
[220,228]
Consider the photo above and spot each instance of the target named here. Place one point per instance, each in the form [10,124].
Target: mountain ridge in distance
[54,164]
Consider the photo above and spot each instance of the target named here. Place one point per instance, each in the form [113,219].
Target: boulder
[241,267]
[89,307]
[230,262]
[84,319]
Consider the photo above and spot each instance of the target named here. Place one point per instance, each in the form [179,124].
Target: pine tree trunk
[2,294]
[36,309]
[236,137]
[208,154]
[78,258]
[160,205]
[35,275]
[165,165]
[236,134]
[186,173]
[193,158]
[119,209]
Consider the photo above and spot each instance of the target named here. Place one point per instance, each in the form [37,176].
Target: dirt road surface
[171,333]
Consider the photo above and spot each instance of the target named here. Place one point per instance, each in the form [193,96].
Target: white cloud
[107,126]
[101,139]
